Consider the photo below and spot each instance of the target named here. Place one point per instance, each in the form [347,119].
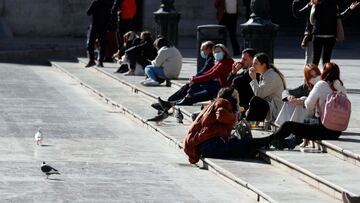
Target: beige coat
[170,59]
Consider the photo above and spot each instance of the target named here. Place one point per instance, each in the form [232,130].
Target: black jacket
[209,63]
[297,92]
[100,12]
[325,18]
[241,82]
[143,48]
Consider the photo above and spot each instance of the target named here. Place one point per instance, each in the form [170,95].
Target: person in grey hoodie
[165,66]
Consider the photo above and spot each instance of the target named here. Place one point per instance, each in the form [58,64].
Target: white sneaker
[150,82]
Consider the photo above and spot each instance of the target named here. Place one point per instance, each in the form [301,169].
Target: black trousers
[230,21]
[315,131]
[199,92]
[217,147]
[93,34]
[322,45]
[135,57]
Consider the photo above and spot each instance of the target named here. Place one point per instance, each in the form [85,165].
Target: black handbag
[258,109]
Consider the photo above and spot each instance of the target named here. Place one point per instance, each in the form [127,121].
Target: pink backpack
[336,113]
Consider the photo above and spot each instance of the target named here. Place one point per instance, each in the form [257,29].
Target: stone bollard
[259,32]
[259,37]
[167,20]
[214,33]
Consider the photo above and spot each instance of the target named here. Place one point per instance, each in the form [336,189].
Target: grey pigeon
[179,116]
[38,136]
[160,117]
[48,170]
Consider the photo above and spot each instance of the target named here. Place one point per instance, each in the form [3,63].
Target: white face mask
[313,81]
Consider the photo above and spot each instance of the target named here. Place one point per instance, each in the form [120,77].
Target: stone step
[252,176]
[322,170]
[346,148]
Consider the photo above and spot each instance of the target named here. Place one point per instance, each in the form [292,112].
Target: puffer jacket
[217,119]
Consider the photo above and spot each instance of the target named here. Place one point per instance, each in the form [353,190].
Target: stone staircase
[279,176]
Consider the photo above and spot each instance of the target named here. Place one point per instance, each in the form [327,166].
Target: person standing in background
[323,16]
[227,14]
[301,10]
[123,12]
[100,12]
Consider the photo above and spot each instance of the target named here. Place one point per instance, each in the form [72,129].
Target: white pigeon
[48,170]
[38,136]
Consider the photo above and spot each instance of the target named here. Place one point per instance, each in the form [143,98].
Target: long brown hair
[264,58]
[331,72]
[307,74]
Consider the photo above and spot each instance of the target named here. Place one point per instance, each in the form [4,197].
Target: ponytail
[279,73]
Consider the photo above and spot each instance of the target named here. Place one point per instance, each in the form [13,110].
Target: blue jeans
[155,73]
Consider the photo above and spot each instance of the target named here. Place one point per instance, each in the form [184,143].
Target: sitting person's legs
[155,73]
[217,147]
[201,92]
[180,94]
[310,131]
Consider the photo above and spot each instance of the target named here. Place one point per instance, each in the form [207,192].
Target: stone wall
[58,18]
[46,17]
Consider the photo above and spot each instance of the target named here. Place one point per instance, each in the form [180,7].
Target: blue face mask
[203,55]
[219,56]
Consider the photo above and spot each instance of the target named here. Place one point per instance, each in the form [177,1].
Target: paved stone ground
[81,130]
[102,155]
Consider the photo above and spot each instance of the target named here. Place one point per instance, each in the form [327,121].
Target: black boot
[123,68]
[164,104]
[90,64]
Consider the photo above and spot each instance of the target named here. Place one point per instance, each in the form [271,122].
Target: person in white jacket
[330,81]
[166,65]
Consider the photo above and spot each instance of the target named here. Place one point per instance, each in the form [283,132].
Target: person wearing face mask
[205,52]
[165,66]
[205,86]
[330,82]
[293,108]
[209,135]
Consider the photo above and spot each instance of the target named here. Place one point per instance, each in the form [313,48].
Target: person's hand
[191,82]
[252,73]
[314,2]
[236,67]
[354,5]
[289,98]
[297,102]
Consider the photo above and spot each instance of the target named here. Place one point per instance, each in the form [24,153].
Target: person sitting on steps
[141,53]
[206,53]
[166,65]
[205,87]
[130,39]
[209,135]
[241,81]
[330,81]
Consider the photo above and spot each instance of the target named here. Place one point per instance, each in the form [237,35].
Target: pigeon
[179,116]
[38,136]
[160,117]
[48,170]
